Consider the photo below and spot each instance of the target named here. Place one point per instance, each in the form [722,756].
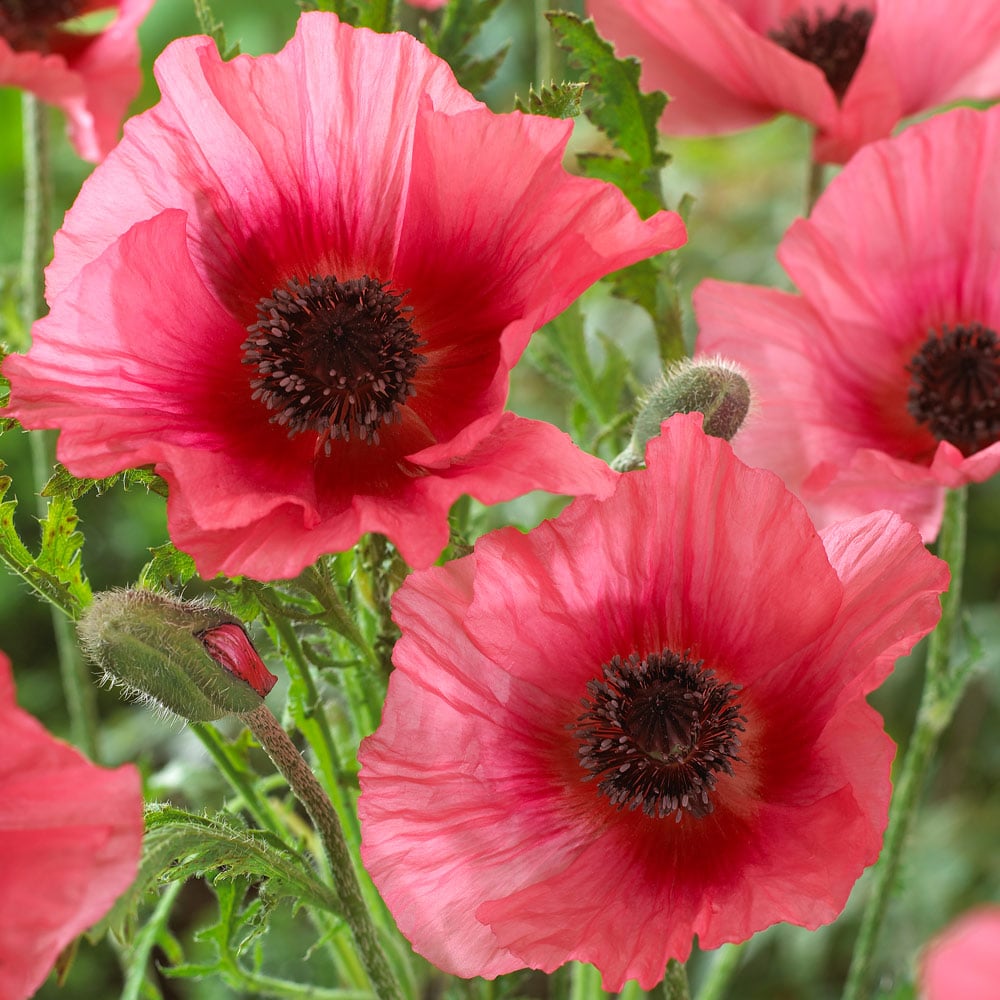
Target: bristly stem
[942,690]
[675,982]
[78,689]
[287,759]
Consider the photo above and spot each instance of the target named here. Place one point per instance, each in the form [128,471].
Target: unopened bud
[186,656]
[715,387]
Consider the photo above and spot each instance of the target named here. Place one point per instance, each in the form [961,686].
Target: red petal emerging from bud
[230,646]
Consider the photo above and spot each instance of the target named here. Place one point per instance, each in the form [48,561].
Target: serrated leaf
[179,845]
[562,100]
[167,569]
[641,187]
[56,575]
[64,483]
[625,114]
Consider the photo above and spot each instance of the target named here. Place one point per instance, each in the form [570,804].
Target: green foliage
[600,391]
[63,483]
[560,100]
[619,109]
[461,22]
[180,845]
[56,574]
[212,26]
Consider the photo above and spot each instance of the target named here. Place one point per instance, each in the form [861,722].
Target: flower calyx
[188,657]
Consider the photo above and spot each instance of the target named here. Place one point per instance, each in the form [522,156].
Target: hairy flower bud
[714,387]
[186,656]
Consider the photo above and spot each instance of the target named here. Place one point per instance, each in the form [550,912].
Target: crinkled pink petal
[93,83]
[70,841]
[491,851]
[964,961]
[260,170]
[830,368]
[721,74]
[963,61]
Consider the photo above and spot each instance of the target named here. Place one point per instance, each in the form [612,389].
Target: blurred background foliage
[745,190]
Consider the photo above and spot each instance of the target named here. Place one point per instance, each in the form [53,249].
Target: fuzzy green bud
[186,656]
[714,387]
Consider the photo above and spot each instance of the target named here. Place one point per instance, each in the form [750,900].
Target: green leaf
[641,187]
[212,26]
[64,483]
[626,115]
[179,845]
[169,568]
[56,575]
[562,100]
[461,22]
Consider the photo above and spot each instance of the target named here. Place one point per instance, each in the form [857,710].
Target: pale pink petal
[964,961]
[70,840]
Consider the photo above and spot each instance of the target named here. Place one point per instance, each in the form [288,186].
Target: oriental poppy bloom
[879,385]
[92,77]
[641,721]
[853,69]
[70,840]
[965,960]
[298,287]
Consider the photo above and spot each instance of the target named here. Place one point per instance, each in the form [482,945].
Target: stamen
[836,44]
[658,732]
[955,387]
[27,24]
[334,357]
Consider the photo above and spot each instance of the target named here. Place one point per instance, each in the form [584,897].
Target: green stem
[814,188]
[937,705]
[79,691]
[675,982]
[139,954]
[585,982]
[724,965]
[221,753]
[543,45]
[273,738]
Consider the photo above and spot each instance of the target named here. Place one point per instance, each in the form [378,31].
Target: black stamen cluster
[657,732]
[26,24]
[335,357]
[955,387]
[836,43]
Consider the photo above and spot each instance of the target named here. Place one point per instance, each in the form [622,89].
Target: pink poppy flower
[70,840]
[964,961]
[641,721]
[91,77]
[427,4]
[879,385]
[852,69]
[298,287]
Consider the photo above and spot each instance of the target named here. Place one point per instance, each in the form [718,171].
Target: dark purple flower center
[656,733]
[334,357]
[27,24]
[955,386]
[834,43]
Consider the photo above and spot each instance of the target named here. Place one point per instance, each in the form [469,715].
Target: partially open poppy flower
[853,68]
[92,77]
[642,721]
[298,287]
[879,385]
[964,961]
[70,840]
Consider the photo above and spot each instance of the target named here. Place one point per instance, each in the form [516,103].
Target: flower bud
[715,387]
[186,656]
